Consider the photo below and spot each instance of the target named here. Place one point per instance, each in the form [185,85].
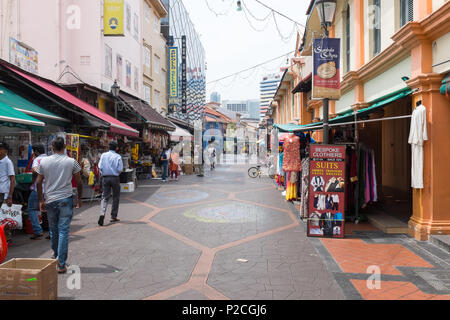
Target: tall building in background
[249,109]
[176,25]
[215,97]
[268,87]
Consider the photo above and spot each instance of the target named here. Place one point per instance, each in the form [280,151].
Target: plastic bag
[3,244]
[11,217]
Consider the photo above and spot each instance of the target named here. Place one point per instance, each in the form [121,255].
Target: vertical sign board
[173,72]
[113,18]
[326,82]
[183,75]
[326,191]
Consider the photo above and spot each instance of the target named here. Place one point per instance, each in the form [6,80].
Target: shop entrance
[389,140]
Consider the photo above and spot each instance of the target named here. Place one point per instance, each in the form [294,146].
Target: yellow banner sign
[113,18]
[173,72]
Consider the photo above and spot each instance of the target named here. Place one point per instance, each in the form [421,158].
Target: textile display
[417,136]
[291,154]
[304,209]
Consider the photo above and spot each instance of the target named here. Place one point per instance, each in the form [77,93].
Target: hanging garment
[280,164]
[367,171]
[375,192]
[417,135]
[291,154]
[304,212]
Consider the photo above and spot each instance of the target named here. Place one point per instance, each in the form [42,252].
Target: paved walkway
[226,236]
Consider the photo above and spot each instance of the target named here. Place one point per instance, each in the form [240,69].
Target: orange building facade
[409,47]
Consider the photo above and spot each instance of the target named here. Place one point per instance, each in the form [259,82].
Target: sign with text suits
[326,191]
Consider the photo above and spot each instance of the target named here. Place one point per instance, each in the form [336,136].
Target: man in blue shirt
[110,166]
[165,164]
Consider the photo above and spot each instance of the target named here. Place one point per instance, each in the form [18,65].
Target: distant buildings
[215,97]
[249,109]
[268,88]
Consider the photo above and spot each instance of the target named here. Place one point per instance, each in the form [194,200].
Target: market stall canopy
[180,134]
[11,115]
[116,126]
[153,118]
[445,89]
[15,101]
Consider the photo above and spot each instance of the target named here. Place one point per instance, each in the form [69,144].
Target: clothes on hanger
[291,154]
[417,136]
[304,210]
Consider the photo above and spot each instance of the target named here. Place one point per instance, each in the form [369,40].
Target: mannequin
[291,164]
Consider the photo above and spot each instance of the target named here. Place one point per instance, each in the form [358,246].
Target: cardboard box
[29,279]
[127,187]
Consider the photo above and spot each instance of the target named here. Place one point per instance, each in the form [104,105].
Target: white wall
[388,82]
[345,102]
[441,53]
[438,3]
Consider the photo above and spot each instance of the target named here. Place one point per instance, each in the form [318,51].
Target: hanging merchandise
[304,209]
[326,191]
[367,177]
[73,146]
[291,154]
[417,136]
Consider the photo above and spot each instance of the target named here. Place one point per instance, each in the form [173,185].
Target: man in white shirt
[7,176]
[110,166]
[58,171]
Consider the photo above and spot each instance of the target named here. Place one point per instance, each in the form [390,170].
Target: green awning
[11,115]
[345,116]
[15,101]
[381,102]
[445,89]
[296,127]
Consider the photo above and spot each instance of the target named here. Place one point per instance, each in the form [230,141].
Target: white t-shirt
[58,170]
[35,165]
[6,170]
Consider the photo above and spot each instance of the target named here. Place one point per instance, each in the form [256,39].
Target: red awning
[116,125]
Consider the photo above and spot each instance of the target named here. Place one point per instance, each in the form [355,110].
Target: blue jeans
[33,212]
[59,215]
[165,168]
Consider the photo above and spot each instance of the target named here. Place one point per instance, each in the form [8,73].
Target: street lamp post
[326,10]
[115,90]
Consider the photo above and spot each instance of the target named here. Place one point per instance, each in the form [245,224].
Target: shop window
[108,61]
[376,27]
[128,17]
[406,11]
[119,64]
[347,39]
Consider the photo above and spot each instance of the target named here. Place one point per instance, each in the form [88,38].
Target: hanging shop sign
[326,82]
[173,72]
[73,146]
[183,75]
[327,191]
[23,56]
[113,18]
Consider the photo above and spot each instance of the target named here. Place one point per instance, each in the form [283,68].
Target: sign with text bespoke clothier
[326,191]
[326,82]
[113,18]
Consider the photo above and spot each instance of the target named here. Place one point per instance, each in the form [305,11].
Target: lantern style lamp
[115,89]
[326,10]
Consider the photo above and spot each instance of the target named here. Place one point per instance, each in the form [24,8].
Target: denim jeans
[165,168]
[33,212]
[59,215]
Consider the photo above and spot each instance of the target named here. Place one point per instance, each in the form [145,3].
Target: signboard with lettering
[173,72]
[327,191]
[183,76]
[23,56]
[326,82]
[113,18]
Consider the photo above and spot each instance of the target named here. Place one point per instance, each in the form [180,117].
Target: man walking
[164,164]
[33,201]
[110,166]
[7,176]
[57,172]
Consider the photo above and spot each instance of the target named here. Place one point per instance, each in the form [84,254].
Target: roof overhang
[159,6]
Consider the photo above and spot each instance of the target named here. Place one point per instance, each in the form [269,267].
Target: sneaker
[36,236]
[61,270]
[114,220]
[101,220]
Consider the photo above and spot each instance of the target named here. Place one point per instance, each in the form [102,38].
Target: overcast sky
[232,45]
